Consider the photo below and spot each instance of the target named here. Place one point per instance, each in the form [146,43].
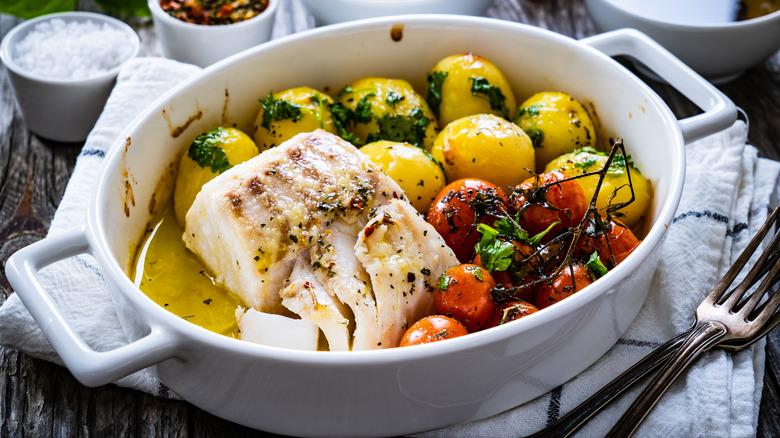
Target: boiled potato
[557,124]
[209,155]
[283,115]
[615,182]
[373,109]
[411,167]
[464,85]
[487,147]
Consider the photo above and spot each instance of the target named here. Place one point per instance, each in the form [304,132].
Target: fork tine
[754,299]
[718,291]
[767,311]
[766,261]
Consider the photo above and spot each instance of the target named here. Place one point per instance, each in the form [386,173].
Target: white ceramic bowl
[62,109]
[719,52]
[204,45]
[394,391]
[339,11]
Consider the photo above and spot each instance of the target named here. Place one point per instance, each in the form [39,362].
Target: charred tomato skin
[463,293]
[546,198]
[511,311]
[572,278]
[615,240]
[432,328]
[459,208]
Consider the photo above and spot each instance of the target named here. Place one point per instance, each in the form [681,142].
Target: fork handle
[574,419]
[704,336]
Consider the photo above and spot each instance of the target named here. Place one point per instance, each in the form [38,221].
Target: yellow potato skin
[238,147]
[457,100]
[614,182]
[315,115]
[411,167]
[380,91]
[485,146]
[557,123]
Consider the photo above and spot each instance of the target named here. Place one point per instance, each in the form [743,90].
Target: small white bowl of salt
[63,67]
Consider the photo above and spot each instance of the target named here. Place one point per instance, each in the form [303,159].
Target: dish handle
[90,367]
[719,111]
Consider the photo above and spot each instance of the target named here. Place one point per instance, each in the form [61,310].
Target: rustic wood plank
[38,398]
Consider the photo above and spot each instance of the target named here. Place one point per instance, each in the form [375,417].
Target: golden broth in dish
[172,276]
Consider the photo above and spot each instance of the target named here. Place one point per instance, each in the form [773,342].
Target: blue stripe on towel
[738,228]
[698,214]
[92,153]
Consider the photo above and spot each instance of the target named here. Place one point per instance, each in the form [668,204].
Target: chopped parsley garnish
[393,98]
[438,336]
[596,269]
[494,254]
[533,110]
[616,168]
[343,116]
[444,282]
[433,97]
[278,110]
[586,164]
[321,104]
[537,137]
[494,95]
[207,152]
[362,113]
[408,129]
[477,273]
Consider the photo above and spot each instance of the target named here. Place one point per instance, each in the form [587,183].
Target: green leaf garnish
[206,150]
[494,254]
[444,282]
[435,83]
[278,110]
[596,269]
[494,95]
[616,168]
[537,137]
[393,98]
[396,127]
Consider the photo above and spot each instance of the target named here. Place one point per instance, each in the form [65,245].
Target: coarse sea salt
[73,50]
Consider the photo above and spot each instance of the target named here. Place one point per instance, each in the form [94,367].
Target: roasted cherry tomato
[432,329]
[621,243]
[563,285]
[463,292]
[459,208]
[511,311]
[542,200]
[524,269]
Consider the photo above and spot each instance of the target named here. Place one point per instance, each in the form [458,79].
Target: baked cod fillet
[285,232]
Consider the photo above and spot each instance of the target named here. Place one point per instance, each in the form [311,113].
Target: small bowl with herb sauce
[720,39]
[202,32]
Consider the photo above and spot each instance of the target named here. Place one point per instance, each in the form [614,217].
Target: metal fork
[574,419]
[722,318]
[567,424]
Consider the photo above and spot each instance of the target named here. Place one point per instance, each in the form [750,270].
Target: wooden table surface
[38,398]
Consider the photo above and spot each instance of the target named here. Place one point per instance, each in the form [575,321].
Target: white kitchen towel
[76,286]
[727,196]
[727,193]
